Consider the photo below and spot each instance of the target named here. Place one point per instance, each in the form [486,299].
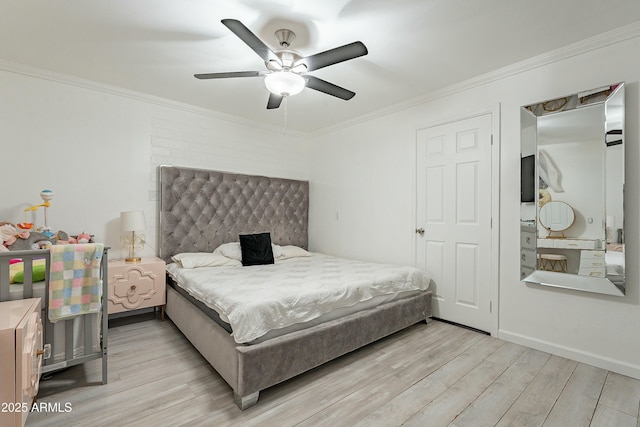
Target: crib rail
[89,337]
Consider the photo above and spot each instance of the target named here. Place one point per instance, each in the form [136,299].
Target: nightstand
[136,285]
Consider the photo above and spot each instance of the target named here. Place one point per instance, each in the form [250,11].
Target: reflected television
[528,179]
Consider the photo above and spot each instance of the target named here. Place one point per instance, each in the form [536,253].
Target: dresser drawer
[574,244]
[528,240]
[592,263]
[592,255]
[591,271]
[525,272]
[528,258]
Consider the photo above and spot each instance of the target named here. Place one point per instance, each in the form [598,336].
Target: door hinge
[491,139]
[490,306]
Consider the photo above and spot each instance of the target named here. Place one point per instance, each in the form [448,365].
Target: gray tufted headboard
[202,209]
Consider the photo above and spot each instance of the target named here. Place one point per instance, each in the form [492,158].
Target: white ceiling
[415,46]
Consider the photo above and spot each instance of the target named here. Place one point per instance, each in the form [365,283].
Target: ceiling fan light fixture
[284,83]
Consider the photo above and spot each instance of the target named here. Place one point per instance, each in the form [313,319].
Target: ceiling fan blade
[334,56]
[251,40]
[274,101]
[229,75]
[329,88]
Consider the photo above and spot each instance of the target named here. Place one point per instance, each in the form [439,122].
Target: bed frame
[69,326]
[202,209]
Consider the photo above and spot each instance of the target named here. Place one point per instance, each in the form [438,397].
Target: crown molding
[66,79]
[584,46]
[593,43]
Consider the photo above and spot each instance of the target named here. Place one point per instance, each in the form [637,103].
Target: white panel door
[454,210]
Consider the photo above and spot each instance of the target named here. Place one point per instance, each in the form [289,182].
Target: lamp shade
[284,83]
[132,221]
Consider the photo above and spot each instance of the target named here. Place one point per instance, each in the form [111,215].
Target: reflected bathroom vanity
[572,191]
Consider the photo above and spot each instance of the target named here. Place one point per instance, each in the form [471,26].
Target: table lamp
[130,223]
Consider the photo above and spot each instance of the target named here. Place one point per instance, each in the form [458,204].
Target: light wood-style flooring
[427,375]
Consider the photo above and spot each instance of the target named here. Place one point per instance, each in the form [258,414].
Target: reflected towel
[549,172]
[75,286]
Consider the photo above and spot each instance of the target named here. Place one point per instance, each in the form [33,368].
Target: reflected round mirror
[556,216]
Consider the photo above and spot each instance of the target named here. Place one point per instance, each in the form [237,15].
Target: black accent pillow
[256,249]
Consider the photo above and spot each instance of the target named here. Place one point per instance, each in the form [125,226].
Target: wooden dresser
[20,359]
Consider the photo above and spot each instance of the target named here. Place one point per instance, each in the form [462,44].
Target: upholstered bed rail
[202,209]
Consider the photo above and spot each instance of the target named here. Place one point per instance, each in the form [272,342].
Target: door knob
[420,231]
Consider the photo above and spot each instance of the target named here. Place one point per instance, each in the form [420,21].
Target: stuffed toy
[9,235]
[16,239]
[84,237]
[62,238]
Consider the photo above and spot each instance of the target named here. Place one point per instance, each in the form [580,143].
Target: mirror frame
[613,133]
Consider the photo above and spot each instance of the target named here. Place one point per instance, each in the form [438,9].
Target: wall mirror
[572,191]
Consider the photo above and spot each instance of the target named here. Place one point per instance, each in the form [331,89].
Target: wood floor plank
[494,402]
[423,375]
[621,393]
[443,410]
[577,403]
[537,400]
[607,417]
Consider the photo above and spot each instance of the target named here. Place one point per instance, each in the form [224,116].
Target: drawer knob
[132,289]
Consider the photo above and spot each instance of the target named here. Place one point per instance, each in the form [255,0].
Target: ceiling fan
[286,68]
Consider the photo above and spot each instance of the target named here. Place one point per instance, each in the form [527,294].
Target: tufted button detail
[202,209]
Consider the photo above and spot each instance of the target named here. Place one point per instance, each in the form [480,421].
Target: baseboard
[617,366]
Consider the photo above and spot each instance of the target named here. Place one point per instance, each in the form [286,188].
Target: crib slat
[27,283]
[88,333]
[68,339]
[4,277]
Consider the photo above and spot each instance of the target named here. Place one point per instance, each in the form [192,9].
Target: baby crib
[67,342]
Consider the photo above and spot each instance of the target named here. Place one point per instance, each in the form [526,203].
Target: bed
[67,342]
[614,260]
[202,210]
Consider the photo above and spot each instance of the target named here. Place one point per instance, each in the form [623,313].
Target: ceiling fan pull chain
[286,112]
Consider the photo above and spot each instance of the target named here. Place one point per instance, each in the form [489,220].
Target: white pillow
[233,250]
[291,251]
[230,250]
[203,259]
[277,251]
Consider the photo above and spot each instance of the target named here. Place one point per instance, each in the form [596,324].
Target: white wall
[362,180]
[97,149]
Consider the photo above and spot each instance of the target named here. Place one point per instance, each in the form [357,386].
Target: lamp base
[133,259]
